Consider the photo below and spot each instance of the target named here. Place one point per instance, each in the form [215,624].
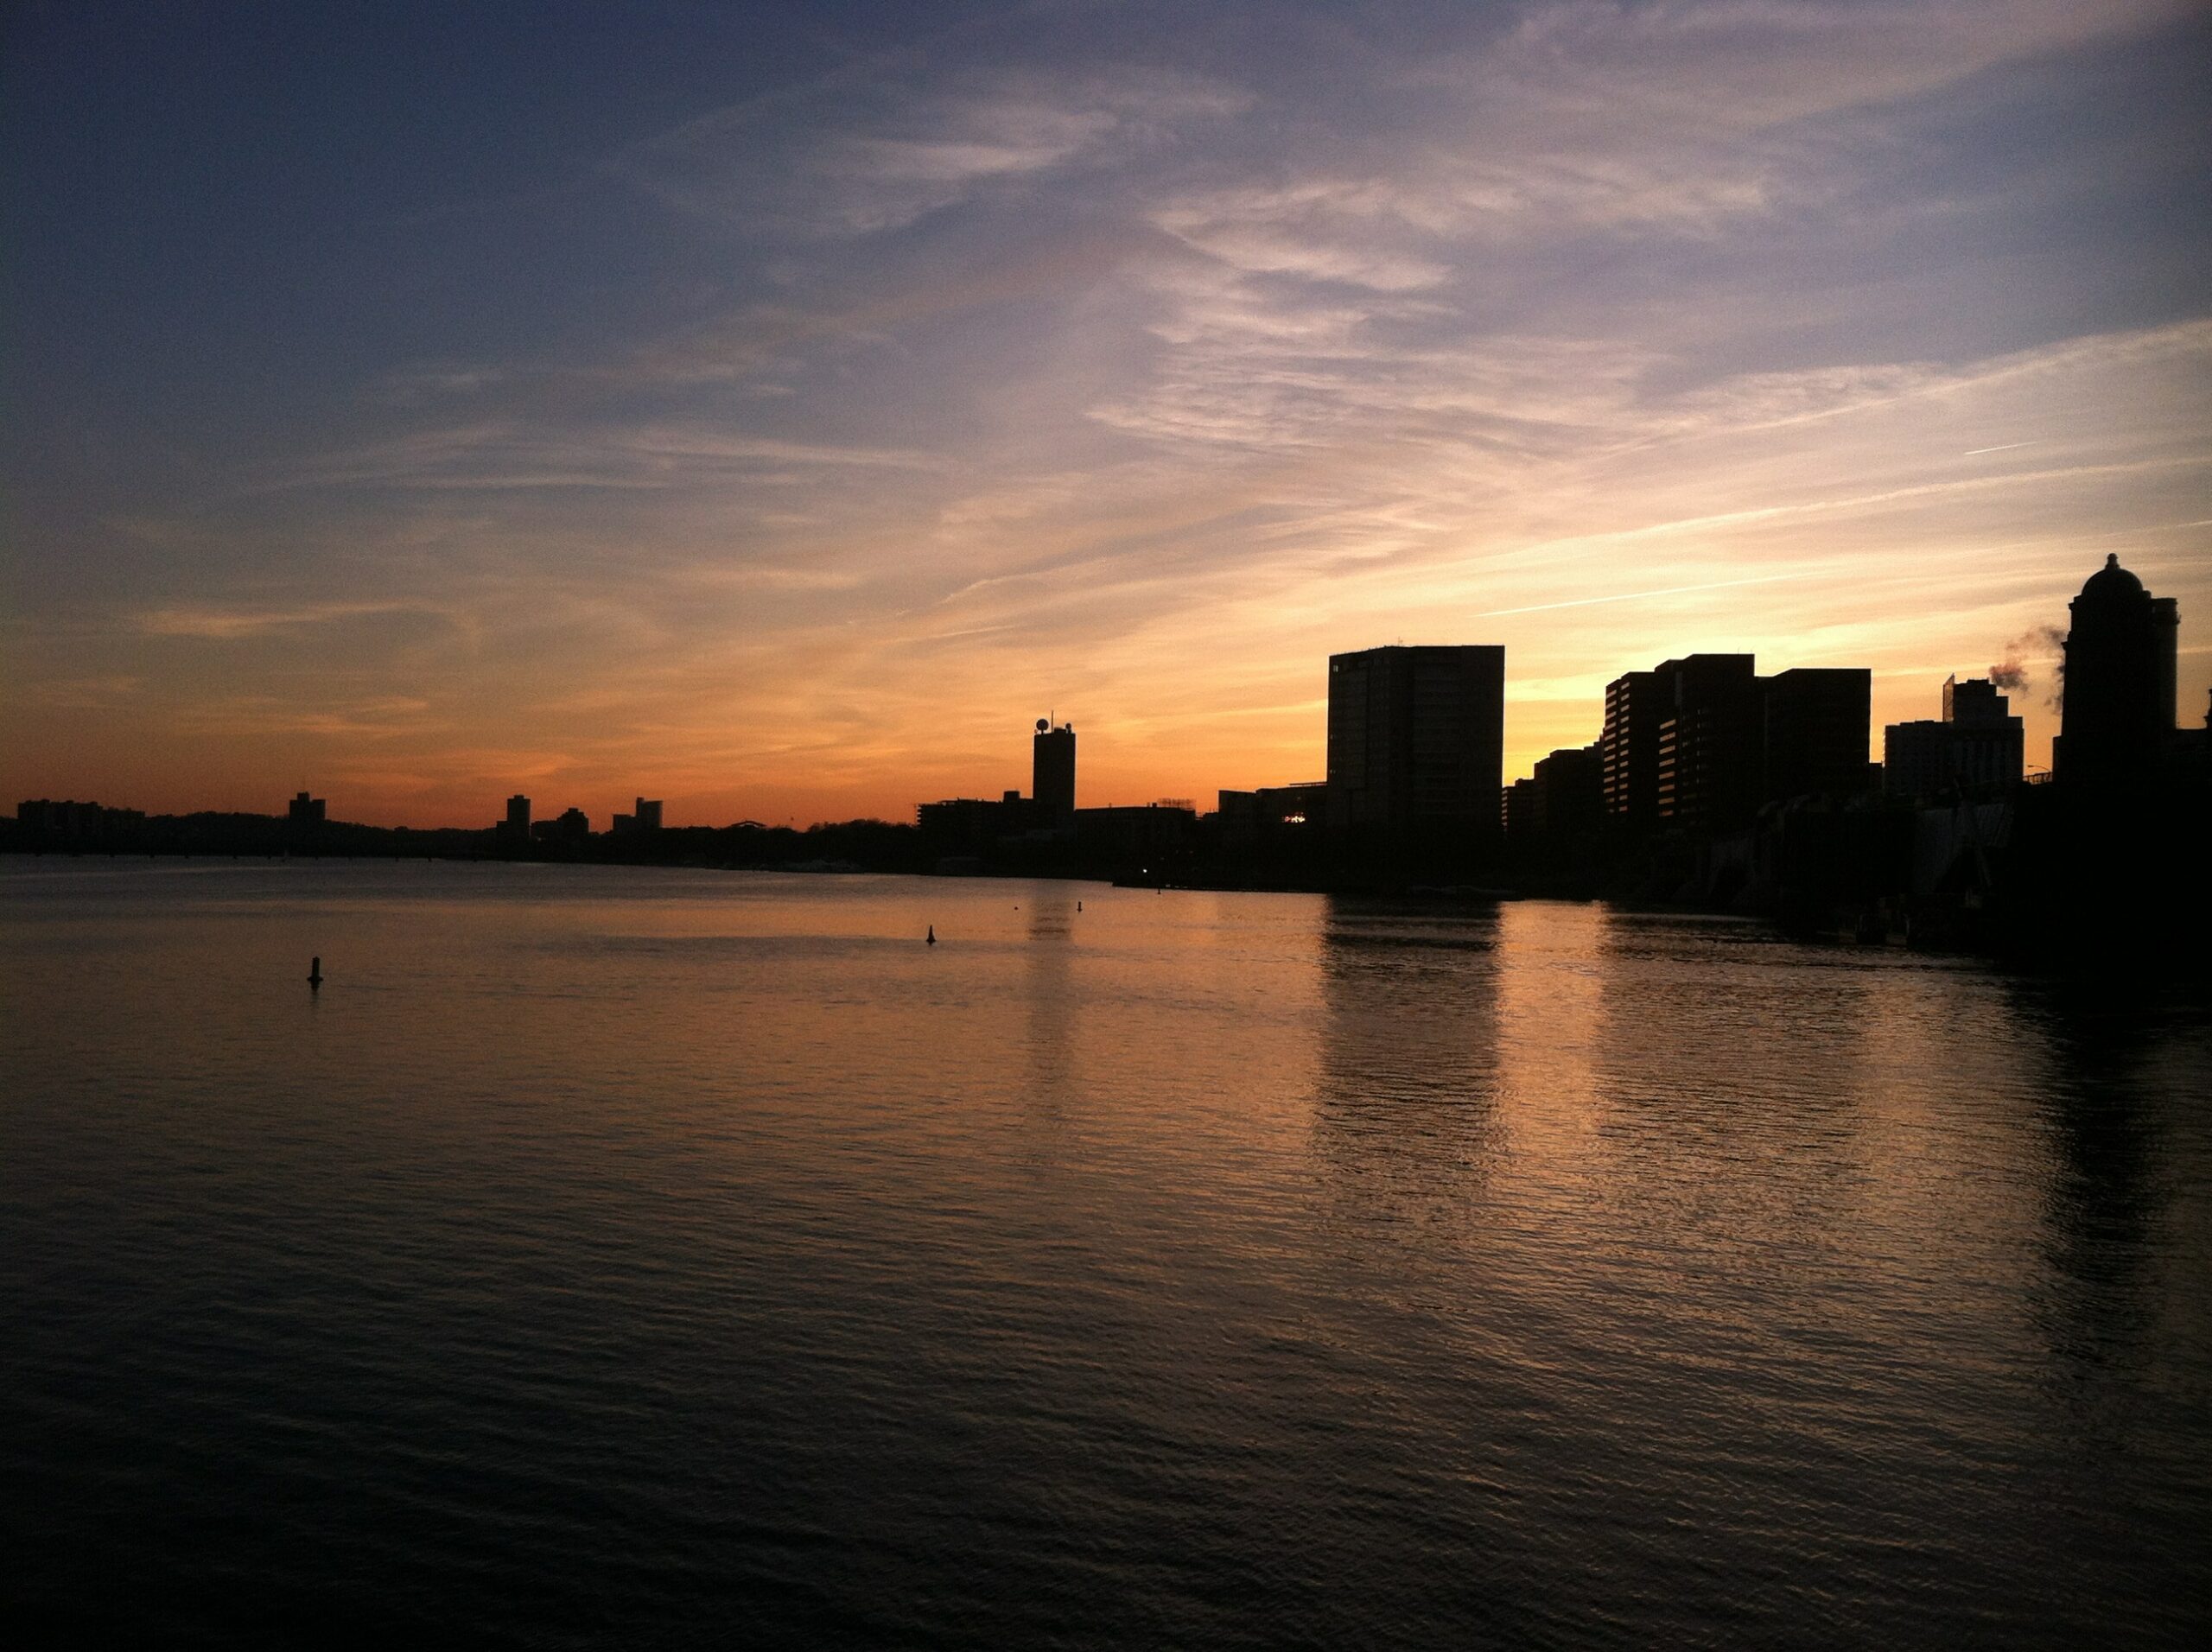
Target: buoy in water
[315,972]
[930,939]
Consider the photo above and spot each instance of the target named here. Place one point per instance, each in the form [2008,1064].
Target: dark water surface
[641,1257]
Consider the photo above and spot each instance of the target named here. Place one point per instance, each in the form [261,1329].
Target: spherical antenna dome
[1043,723]
[2111,580]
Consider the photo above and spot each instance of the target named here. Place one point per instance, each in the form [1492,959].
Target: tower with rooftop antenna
[1051,774]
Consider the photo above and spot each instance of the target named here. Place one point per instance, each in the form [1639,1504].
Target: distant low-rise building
[969,825]
[1976,749]
[570,826]
[1140,836]
[68,823]
[1268,814]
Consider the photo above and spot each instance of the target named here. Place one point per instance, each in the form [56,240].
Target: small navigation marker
[932,936]
[314,973]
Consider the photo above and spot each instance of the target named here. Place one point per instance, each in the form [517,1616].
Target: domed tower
[2119,704]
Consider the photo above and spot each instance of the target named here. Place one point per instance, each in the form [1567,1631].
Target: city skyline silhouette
[2130,715]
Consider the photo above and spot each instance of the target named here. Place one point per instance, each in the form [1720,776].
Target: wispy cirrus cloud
[420,383]
[1586,125]
[221,623]
[87,693]
[1598,113]
[512,454]
[858,156]
[376,717]
[1323,229]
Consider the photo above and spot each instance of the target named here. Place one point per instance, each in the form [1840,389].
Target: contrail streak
[1630,596]
[2002,446]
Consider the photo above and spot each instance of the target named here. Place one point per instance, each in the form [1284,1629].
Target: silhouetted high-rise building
[1570,789]
[1416,740]
[1051,774]
[513,831]
[1704,740]
[1710,757]
[2119,704]
[1977,748]
[1518,815]
[1819,720]
[1974,701]
[305,811]
[1563,799]
[1629,748]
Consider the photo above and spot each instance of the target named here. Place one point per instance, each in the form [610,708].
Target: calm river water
[613,1256]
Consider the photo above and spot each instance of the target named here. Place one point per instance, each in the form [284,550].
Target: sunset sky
[777,410]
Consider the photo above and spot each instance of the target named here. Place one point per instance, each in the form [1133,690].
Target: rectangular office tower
[1710,761]
[1819,725]
[1702,741]
[1628,749]
[1417,740]
[1682,743]
[1051,775]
